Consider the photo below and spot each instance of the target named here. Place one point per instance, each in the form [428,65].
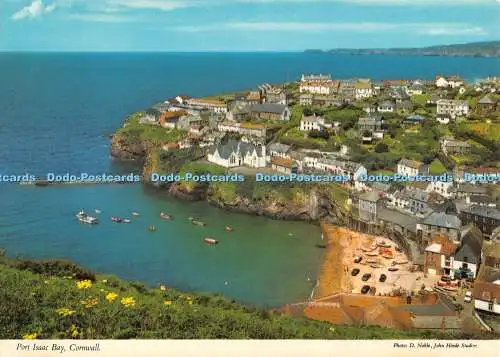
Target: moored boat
[210,240]
[97,211]
[84,218]
[191,219]
[165,216]
[229,228]
[116,219]
[127,220]
[393,269]
[198,223]
[152,228]
[135,214]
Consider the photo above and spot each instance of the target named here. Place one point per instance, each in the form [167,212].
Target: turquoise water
[56,112]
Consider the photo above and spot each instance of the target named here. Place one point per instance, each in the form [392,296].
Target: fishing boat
[165,216]
[97,211]
[229,228]
[152,228]
[84,218]
[127,220]
[116,219]
[191,219]
[374,266]
[388,256]
[371,261]
[393,269]
[372,254]
[198,223]
[135,214]
[211,240]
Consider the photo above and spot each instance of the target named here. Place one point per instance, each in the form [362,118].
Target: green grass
[437,168]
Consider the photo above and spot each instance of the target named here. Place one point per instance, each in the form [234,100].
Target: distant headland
[474,49]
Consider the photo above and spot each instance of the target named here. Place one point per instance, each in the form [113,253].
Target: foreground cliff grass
[60,300]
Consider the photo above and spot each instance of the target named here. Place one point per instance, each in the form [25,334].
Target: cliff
[124,150]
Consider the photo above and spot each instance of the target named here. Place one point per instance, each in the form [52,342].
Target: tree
[367,134]
[307,112]
[319,134]
[381,147]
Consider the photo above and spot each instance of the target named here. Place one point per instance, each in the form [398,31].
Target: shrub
[60,268]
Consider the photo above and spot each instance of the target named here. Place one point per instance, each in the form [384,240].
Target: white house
[363,89]
[308,123]
[211,104]
[441,187]
[454,108]
[387,107]
[441,82]
[278,150]
[487,296]
[317,84]
[416,88]
[449,82]
[238,153]
[411,168]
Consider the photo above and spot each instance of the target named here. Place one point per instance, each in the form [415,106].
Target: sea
[57,111]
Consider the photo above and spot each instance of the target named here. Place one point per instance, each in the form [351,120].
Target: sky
[242,25]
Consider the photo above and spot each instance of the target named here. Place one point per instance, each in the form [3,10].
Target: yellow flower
[30,336]
[64,311]
[84,284]
[128,301]
[190,302]
[104,281]
[111,297]
[167,302]
[90,302]
[46,281]
[74,333]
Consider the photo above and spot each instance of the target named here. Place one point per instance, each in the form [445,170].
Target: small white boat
[84,218]
[127,220]
[135,214]
[372,254]
[371,261]
[97,211]
[211,240]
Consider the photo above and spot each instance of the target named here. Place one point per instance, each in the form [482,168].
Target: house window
[490,305]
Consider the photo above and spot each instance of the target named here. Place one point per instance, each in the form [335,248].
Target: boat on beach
[402,261]
[84,218]
[210,240]
[229,229]
[116,219]
[165,216]
[371,261]
[372,254]
[374,266]
[393,269]
[198,223]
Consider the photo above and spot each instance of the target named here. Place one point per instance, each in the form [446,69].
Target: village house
[350,169]
[415,89]
[399,95]
[270,112]
[329,100]
[238,153]
[468,256]
[253,97]
[483,217]
[387,107]
[308,123]
[417,201]
[487,296]
[369,108]
[214,105]
[432,100]
[367,206]
[364,89]
[404,106]
[439,223]
[472,175]
[151,116]
[399,200]
[283,166]
[439,256]
[449,82]
[279,150]
[278,96]
[443,118]
[414,119]
[251,129]
[451,146]
[162,107]
[412,168]
[370,123]
[347,90]
[306,99]
[455,108]
[238,113]
[443,188]
[171,119]
[317,84]
[486,105]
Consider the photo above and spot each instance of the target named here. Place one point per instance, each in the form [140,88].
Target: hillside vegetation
[60,300]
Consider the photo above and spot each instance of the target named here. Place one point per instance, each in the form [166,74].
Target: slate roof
[472,242]
[232,146]
[486,100]
[369,196]
[268,108]
[441,219]
[410,163]
[278,147]
[401,219]
[483,211]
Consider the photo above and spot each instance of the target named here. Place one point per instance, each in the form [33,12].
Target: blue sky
[242,25]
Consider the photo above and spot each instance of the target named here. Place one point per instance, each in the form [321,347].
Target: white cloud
[163,5]
[36,9]
[434,29]
[102,17]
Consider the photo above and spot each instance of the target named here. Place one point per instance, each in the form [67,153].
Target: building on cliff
[238,153]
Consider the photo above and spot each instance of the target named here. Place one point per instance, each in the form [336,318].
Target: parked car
[468,297]
[445,278]
[366,276]
[355,272]
[373,290]
[382,278]
[365,289]
[358,259]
